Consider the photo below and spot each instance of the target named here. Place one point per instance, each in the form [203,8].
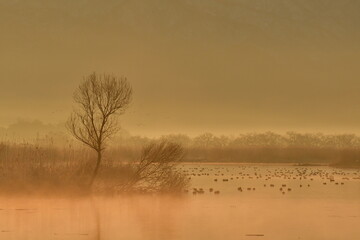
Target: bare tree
[157,168]
[100,99]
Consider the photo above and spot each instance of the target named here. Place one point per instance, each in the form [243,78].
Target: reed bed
[46,169]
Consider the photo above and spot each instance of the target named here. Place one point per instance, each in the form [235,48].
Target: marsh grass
[31,168]
[45,169]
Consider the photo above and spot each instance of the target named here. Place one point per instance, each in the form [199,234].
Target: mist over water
[317,211]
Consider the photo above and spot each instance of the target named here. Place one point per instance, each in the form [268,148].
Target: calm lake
[225,201]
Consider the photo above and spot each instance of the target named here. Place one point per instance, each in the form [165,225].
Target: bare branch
[100,99]
[156,169]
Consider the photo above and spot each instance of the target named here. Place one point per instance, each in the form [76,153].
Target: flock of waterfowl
[242,178]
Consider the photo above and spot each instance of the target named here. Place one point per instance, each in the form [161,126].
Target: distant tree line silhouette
[265,147]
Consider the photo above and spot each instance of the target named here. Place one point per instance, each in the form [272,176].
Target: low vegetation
[35,169]
[136,164]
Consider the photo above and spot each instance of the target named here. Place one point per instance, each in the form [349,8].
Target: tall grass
[47,169]
[32,168]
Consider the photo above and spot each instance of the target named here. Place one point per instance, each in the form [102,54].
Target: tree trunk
[98,160]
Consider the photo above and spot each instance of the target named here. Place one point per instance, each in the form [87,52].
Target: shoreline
[259,163]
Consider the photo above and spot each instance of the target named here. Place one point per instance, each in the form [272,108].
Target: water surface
[316,203]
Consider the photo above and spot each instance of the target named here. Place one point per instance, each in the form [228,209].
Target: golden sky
[222,66]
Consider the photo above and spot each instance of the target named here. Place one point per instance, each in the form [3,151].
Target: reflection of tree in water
[158,217]
[136,217]
[95,210]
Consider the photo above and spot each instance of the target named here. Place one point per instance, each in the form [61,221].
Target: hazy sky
[223,66]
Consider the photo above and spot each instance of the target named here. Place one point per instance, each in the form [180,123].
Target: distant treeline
[268,147]
[270,139]
[265,147]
